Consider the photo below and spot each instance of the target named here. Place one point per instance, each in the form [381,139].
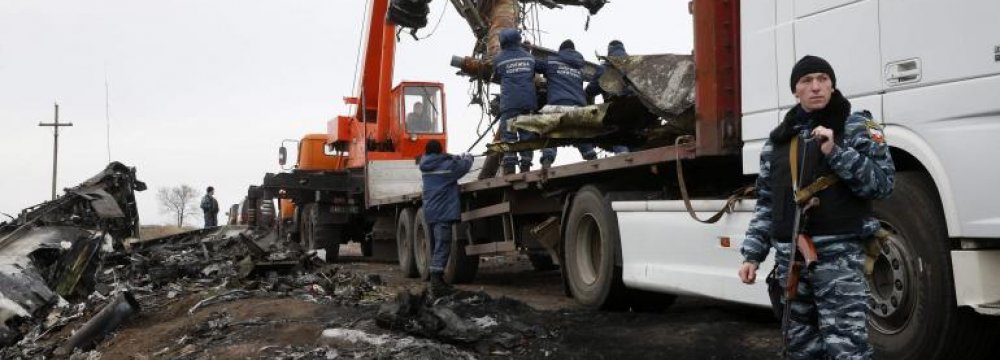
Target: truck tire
[912,312]
[591,242]
[461,268]
[404,243]
[422,238]
[266,214]
[315,235]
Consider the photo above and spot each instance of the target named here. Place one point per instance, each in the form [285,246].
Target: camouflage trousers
[829,318]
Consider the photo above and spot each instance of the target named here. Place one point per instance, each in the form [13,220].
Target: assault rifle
[802,245]
[803,248]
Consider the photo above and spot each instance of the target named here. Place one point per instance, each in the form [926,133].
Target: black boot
[546,164]
[525,168]
[439,288]
[508,170]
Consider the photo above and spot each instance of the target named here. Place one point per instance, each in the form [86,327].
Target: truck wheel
[461,268]
[422,238]
[912,310]
[591,243]
[265,214]
[316,236]
[404,243]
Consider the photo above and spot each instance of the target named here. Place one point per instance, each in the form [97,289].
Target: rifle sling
[803,194]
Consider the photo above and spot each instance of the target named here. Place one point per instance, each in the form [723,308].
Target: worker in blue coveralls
[615,48]
[515,68]
[829,316]
[564,74]
[441,206]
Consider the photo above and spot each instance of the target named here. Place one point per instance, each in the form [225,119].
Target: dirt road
[368,310]
[693,328]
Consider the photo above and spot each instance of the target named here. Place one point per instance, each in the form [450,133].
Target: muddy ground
[368,310]
[291,327]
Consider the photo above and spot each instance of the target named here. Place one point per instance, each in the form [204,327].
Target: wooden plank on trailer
[492,210]
[394,181]
[490,248]
[658,155]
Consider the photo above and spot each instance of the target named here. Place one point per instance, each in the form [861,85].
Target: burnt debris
[51,251]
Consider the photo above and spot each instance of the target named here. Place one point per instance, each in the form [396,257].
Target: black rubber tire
[316,236]
[932,327]
[292,230]
[404,243]
[542,262]
[266,214]
[422,238]
[461,268]
[591,242]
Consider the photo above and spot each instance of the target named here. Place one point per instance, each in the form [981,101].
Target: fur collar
[833,116]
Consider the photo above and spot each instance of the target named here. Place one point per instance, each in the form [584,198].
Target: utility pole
[55,147]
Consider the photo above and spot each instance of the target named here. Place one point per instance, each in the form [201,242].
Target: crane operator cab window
[422,106]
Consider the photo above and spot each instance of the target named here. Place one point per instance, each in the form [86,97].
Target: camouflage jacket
[861,160]
[209,205]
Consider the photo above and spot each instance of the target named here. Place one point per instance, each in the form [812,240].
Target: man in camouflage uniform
[210,207]
[829,316]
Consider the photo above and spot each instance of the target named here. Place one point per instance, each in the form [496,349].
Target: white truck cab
[929,71]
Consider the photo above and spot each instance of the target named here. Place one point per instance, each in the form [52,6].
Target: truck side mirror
[282,155]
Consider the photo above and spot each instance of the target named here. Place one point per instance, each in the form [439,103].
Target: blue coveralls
[565,88]
[515,68]
[442,207]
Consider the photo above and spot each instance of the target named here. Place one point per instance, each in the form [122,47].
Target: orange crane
[322,199]
[327,198]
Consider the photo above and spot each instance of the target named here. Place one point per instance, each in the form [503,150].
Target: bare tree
[179,201]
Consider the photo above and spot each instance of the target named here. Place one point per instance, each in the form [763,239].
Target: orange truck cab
[323,198]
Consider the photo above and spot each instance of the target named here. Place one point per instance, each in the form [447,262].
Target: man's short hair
[433,147]
[210,189]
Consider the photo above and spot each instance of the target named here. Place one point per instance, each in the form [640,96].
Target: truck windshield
[422,106]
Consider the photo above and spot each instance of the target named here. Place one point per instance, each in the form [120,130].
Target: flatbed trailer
[623,234]
[620,229]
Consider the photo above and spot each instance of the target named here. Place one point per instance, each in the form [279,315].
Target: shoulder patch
[875,131]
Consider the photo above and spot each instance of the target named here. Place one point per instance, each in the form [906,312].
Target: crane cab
[397,129]
[419,116]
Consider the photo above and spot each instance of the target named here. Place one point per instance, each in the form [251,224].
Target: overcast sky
[203,91]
